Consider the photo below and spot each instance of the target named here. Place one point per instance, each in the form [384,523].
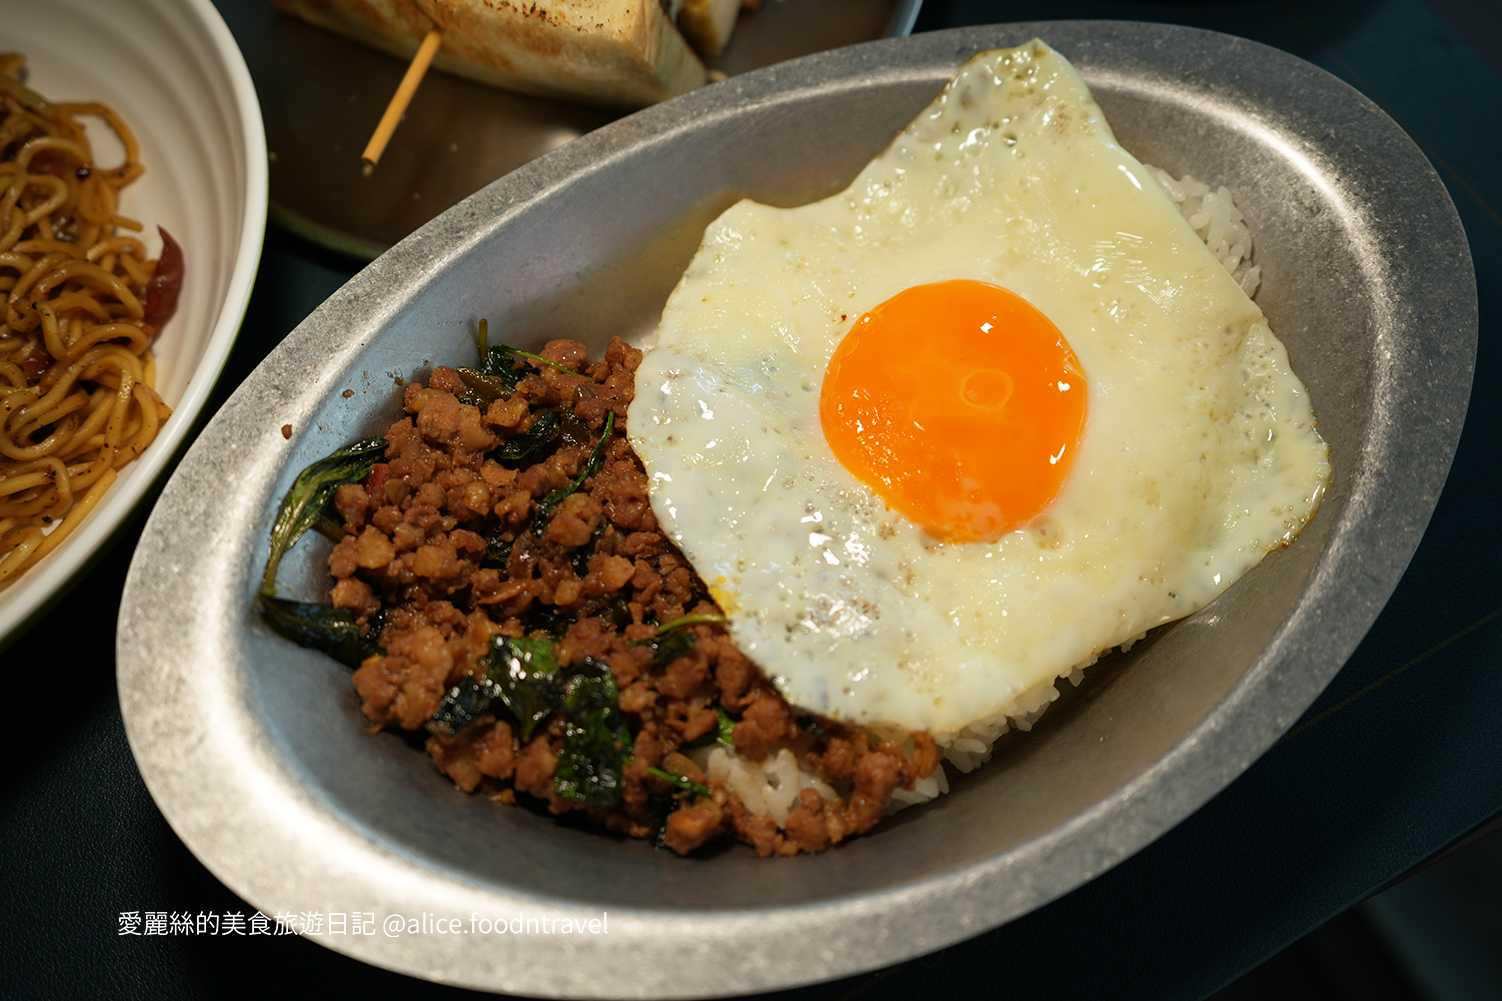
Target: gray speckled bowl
[256,751]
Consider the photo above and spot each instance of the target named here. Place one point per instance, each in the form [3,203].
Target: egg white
[1200,452]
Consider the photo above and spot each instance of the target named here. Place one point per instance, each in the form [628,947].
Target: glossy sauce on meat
[442,549]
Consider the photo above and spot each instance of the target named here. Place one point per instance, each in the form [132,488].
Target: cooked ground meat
[443,549]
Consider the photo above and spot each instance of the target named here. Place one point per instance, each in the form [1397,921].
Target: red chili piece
[161,291]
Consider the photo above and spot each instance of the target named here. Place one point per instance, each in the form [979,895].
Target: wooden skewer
[401,99]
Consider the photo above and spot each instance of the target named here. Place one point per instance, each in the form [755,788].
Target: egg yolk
[960,404]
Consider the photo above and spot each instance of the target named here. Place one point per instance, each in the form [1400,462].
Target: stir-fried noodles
[82,306]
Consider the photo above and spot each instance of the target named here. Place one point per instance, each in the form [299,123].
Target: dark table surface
[1398,758]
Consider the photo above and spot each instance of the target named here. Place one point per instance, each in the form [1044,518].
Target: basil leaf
[501,369]
[549,620]
[321,627]
[525,672]
[498,374]
[620,613]
[311,624]
[669,646]
[503,357]
[595,739]
[481,389]
[499,359]
[543,431]
[725,731]
[525,675]
[310,494]
[673,640]
[522,674]
[463,704]
[687,785]
[497,550]
[549,503]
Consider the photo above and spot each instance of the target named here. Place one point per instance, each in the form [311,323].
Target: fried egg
[989,412]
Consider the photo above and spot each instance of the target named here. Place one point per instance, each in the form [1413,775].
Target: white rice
[765,788]
[1214,216]
[771,787]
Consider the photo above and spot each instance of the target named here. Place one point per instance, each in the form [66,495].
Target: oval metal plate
[257,753]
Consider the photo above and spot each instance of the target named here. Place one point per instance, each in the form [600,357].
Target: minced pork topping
[554,644]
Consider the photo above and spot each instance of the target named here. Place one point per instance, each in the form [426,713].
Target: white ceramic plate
[172,69]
